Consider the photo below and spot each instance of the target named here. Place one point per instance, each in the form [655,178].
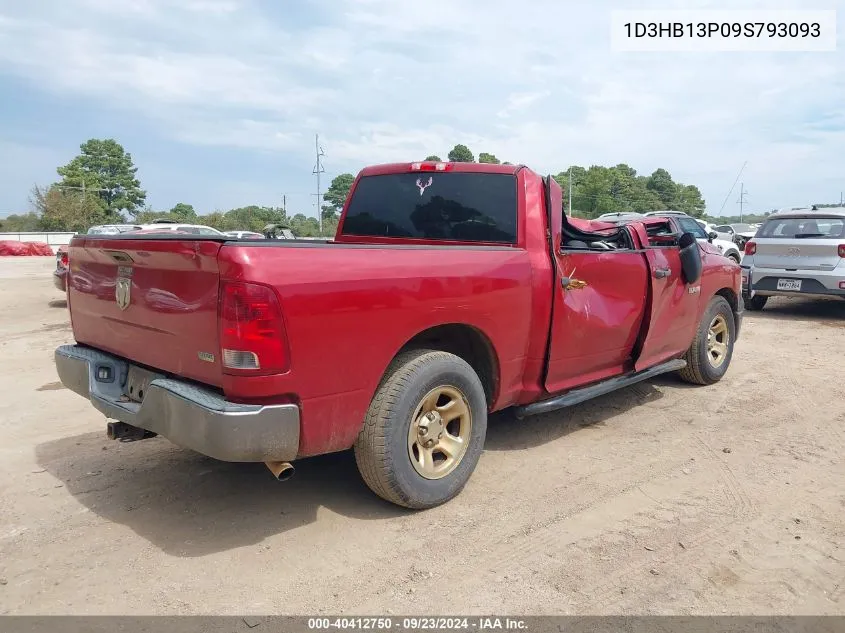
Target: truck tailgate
[152,301]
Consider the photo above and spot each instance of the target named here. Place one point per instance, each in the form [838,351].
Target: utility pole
[741,201]
[570,192]
[318,169]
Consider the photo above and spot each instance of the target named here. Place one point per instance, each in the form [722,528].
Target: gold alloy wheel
[440,432]
[717,341]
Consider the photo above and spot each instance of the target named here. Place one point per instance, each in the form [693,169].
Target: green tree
[183,211]
[601,189]
[216,220]
[484,157]
[106,172]
[304,226]
[461,154]
[67,210]
[337,192]
[661,183]
[21,223]
[435,158]
[252,218]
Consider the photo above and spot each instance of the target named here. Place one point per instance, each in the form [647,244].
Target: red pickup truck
[450,291]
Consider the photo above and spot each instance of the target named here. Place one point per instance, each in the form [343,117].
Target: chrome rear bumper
[187,415]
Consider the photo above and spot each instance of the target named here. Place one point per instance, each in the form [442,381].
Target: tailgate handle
[119,256]
[661,273]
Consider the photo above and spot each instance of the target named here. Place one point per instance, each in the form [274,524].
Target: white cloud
[383,80]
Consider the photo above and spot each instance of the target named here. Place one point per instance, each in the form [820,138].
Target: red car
[60,274]
[449,292]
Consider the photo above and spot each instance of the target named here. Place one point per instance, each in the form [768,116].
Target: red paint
[595,328]
[348,307]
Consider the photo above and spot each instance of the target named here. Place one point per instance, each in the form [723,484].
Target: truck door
[674,305]
[598,306]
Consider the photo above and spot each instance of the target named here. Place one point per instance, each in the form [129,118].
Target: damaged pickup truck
[450,291]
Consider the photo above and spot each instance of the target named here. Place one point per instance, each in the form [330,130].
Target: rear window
[811,228]
[460,206]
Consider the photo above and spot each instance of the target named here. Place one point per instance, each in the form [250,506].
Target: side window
[584,241]
[689,225]
[661,235]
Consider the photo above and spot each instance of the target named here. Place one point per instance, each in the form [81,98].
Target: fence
[53,239]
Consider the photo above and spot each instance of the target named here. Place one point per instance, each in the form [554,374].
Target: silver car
[795,254]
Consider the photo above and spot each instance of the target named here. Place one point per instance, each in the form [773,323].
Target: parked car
[619,216]
[797,253]
[60,273]
[451,290]
[279,232]
[170,225]
[728,248]
[736,233]
[246,235]
[683,223]
[112,229]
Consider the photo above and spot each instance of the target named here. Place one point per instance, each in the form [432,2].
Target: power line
[741,169]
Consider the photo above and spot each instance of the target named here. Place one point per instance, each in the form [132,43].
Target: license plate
[789,284]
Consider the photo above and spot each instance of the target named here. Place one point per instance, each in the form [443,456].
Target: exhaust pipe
[282,471]
[126,432]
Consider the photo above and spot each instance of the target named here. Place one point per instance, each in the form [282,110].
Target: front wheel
[711,351]
[424,431]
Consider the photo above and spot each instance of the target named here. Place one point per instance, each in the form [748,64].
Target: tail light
[63,258]
[750,248]
[841,250]
[431,166]
[253,340]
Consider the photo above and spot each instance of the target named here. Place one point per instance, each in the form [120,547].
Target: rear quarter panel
[349,309]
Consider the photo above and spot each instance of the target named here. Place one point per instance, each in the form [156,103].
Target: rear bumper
[814,283]
[185,414]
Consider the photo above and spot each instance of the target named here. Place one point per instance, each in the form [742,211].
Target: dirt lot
[658,499]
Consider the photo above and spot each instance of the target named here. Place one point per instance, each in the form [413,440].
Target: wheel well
[730,297]
[467,343]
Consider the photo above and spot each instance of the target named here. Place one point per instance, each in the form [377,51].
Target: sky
[218,101]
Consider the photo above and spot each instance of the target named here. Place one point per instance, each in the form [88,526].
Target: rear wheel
[755,303]
[424,431]
[735,257]
[711,351]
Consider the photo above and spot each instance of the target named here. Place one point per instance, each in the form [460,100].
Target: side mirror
[712,235]
[690,258]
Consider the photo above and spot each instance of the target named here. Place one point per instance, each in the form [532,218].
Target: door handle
[661,273]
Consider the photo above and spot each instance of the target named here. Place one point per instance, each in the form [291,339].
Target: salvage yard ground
[662,498]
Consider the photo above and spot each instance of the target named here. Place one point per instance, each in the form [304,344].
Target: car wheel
[734,256]
[755,303]
[424,431]
[711,351]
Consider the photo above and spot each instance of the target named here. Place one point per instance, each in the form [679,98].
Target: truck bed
[348,308]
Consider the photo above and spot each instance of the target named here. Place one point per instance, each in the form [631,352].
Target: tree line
[100,186]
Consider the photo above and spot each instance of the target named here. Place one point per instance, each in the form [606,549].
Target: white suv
[795,253]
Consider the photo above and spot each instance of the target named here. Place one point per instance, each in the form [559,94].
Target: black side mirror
[712,235]
[690,258]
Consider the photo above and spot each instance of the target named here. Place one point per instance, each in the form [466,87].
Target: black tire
[700,369]
[382,447]
[734,257]
[755,303]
